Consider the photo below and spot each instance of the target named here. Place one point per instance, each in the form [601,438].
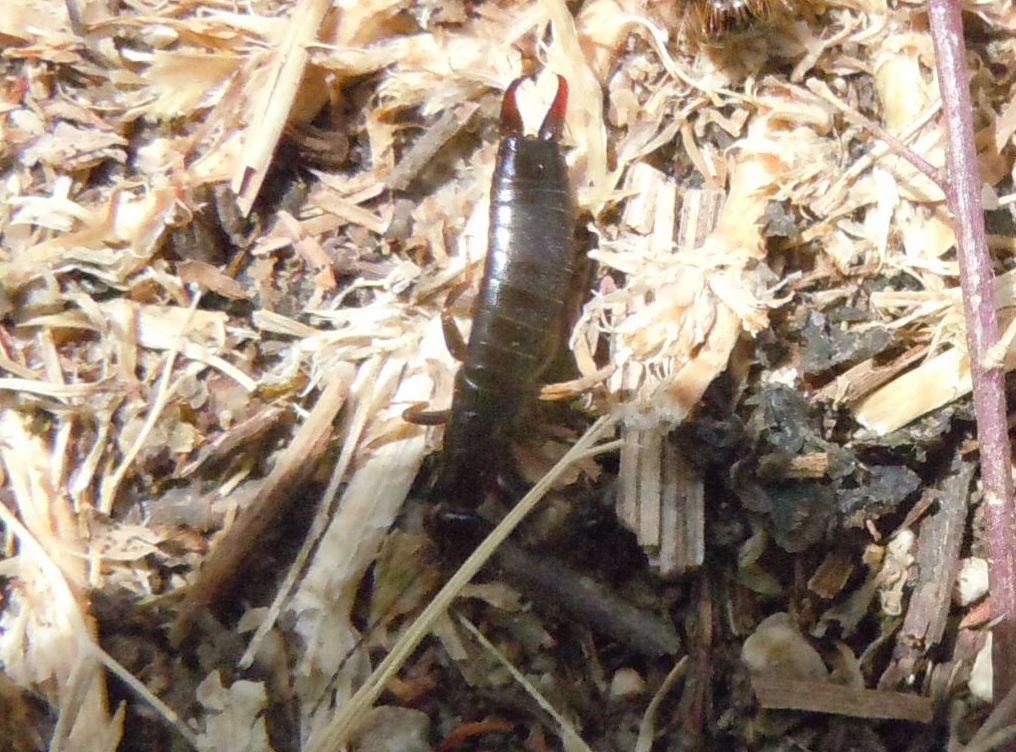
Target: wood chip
[276,98]
[661,496]
[786,693]
[297,461]
[832,574]
[211,278]
[938,549]
[425,147]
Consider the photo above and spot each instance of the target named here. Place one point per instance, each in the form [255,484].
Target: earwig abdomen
[518,317]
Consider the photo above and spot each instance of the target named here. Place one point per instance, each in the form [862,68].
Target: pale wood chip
[271,110]
[211,278]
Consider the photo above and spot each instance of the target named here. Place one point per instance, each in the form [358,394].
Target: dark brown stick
[587,601]
[977,281]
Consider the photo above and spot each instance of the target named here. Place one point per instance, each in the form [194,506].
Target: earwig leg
[453,337]
[418,415]
[454,340]
[566,390]
[511,118]
[553,122]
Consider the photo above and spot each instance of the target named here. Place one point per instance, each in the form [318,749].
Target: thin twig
[994,740]
[977,280]
[895,145]
[1000,719]
[549,581]
[647,726]
[569,734]
[170,716]
[163,393]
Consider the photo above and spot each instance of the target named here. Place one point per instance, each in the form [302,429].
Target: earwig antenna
[511,118]
[553,122]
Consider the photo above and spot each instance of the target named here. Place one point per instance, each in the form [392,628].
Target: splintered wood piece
[661,496]
[978,615]
[425,147]
[776,692]
[938,549]
[288,66]
[934,383]
[810,465]
[700,211]
[832,574]
[224,564]
[864,378]
[682,515]
[650,470]
[234,437]
[627,505]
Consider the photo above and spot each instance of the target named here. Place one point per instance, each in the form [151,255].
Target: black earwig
[519,321]
[519,314]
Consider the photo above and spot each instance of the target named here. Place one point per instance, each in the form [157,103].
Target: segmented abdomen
[518,318]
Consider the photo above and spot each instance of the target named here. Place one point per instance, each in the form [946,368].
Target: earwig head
[553,122]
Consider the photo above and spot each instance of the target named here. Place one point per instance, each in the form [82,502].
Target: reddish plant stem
[977,281]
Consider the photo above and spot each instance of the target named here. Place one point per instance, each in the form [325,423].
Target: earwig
[519,314]
[712,19]
[519,321]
